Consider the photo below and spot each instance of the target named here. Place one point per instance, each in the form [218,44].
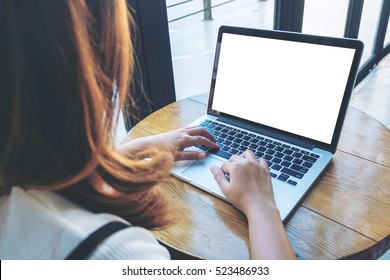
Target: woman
[60,176]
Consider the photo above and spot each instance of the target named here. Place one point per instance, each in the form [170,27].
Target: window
[193,38]
[387,38]
[189,44]
[368,27]
[325,18]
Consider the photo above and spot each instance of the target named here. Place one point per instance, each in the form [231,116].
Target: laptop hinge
[266,132]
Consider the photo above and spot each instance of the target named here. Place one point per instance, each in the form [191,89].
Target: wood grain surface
[346,211]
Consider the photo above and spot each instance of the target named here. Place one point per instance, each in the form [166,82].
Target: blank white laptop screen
[291,86]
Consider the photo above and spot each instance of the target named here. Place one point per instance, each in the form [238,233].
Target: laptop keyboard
[287,163]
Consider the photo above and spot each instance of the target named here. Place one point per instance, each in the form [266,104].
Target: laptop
[282,95]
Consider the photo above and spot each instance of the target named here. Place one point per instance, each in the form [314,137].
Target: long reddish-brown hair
[65,65]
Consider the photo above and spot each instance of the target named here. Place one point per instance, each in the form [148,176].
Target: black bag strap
[86,247]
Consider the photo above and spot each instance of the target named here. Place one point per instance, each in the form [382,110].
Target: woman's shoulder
[43,225]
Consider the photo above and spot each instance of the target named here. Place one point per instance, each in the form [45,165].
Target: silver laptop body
[284,96]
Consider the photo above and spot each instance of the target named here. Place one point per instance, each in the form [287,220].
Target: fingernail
[201,156]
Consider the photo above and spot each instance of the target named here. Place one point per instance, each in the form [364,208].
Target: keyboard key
[283,177]
[299,168]
[246,147]
[261,149]
[270,146]
[234,145]
[279,149]
[307,164]
[288,158]
[242,148]
[288,152]
[293,173]
[291,182]
[245,143]
[253,146]
[309,159]
[223,154]
[270,152]
[276,160]
[268,157]
[279,155]
[273,175]
[259,154]
[314,155]
[225,148]
[305,153]
[295,149]
[227,143]
[297,161]
[286,163]
[263,143]
[297,155]
[277,167]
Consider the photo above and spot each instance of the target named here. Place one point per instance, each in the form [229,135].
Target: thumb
[220,178]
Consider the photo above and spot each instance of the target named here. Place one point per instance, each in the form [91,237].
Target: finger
[235,158]
[263,163]
[189,141]
[248,154]
[201,132]
[189,155]
[227,167]
[206,142]
[220,178]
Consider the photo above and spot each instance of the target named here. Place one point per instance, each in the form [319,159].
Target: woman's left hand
[178,140]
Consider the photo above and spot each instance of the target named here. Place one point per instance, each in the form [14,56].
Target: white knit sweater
[43,225]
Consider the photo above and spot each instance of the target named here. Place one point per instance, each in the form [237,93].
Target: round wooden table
[346,211]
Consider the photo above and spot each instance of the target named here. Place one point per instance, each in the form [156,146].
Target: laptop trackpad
[199,174]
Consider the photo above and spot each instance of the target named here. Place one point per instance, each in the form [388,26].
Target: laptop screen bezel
[294,37]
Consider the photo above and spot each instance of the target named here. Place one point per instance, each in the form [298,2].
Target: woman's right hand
[250,190]
[250,184]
